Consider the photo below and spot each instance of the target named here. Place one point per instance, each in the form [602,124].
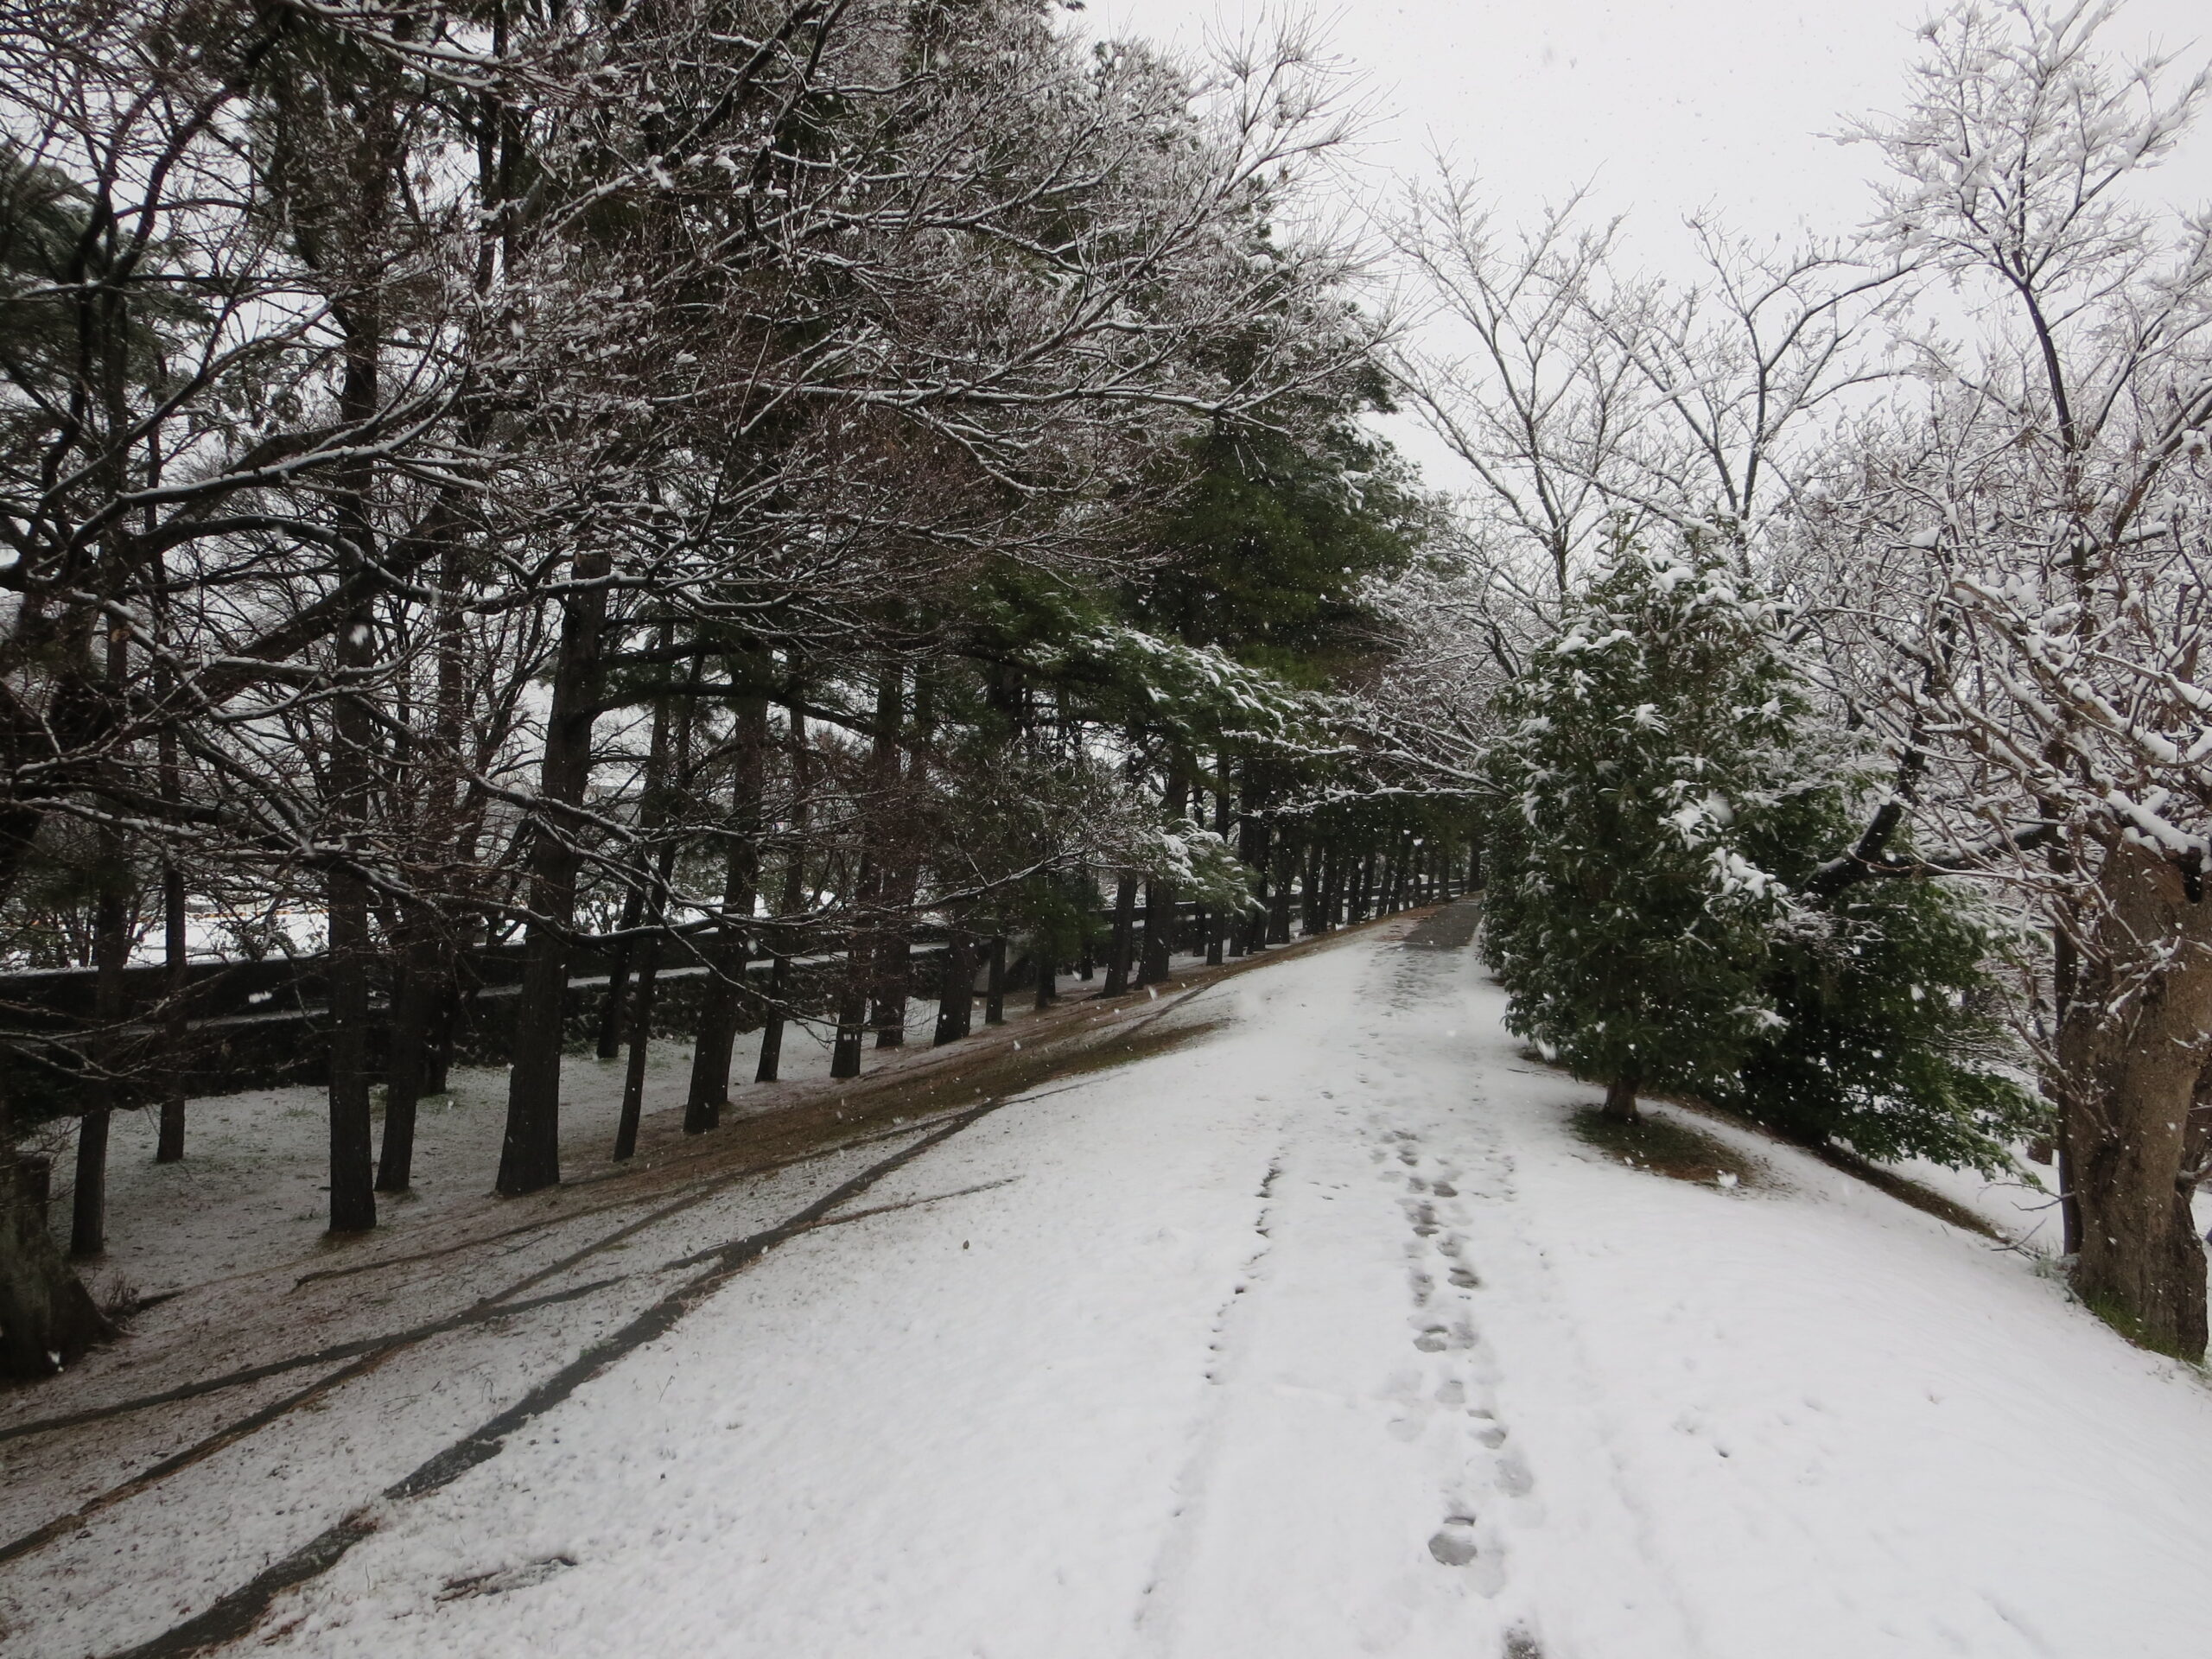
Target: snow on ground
[253,1187]
[1320,1336]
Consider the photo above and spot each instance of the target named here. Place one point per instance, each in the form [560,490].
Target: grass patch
[1927,1200]
[2107,1308]
[1666,1149]
[1636,1144]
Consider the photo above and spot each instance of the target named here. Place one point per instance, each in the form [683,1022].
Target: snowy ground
[1319,1336]
[252,1188]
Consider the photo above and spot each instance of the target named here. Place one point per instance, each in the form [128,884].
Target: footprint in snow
[1437,1338]
[1454,1543]
[1514,1478]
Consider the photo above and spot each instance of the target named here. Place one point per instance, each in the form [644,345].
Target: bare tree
[2015,569]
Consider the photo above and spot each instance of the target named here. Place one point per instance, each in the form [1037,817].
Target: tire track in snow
[1156,1615]
[362,1356]
[236,1614]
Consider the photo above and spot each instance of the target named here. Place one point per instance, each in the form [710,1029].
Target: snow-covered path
[1319,1336]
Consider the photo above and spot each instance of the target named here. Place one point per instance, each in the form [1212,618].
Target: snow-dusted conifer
[1667,799]
[1650,758]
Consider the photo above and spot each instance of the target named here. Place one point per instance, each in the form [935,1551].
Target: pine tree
[1665,796]
[1649,751]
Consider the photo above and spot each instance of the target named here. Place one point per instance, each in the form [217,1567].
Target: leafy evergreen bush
[1891,1044]
[1660,800]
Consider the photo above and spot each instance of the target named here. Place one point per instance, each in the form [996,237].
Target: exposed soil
[1666,1147]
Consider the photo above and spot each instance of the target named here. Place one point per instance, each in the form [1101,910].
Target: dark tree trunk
[353,1171]
[407,1055]
[722,998]
[1121,945]
[1161,898]
[1087,926]
[1258,836]
[530,1157]
[170,1141]
[1620,1099]
[956,1003]
[783,939]
[1279,907]
[2062,975]
[1312,920]
[893,957]
[1159,922]
[852,1012]
[1048,983]
[111,948]
[1261,845]
[48,1319]
[88,1202]
[640,1010]
[861,993]
[644,983]
[169,1147]
[1218,918]
[770,1064]
[616,999]
[994,983]
[2131,1051]
[352,727]
[447,1011]
[652,790]
[894,973]
[352,1168]
[448,829]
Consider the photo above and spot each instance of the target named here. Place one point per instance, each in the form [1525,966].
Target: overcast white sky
[1663,107]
